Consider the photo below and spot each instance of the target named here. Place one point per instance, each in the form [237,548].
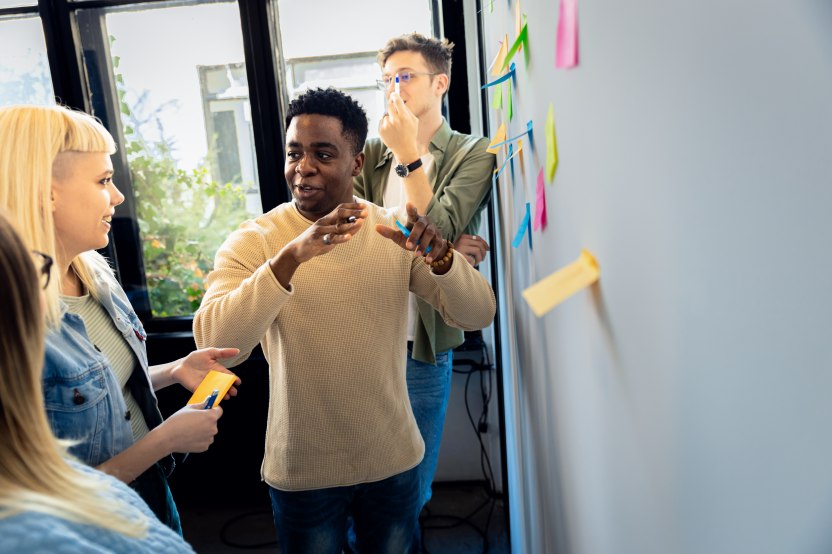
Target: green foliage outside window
[183,215]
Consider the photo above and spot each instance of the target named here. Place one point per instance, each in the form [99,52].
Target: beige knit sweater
[335,342]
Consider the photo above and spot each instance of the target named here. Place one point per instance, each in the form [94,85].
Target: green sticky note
[510,106]
[522,39]
[492,6]
[551,145]
[497,102]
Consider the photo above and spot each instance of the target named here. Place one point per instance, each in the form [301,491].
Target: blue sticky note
[518,238]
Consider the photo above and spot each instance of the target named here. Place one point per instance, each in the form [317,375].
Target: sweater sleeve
[452,208]
[243,296]
[462,296]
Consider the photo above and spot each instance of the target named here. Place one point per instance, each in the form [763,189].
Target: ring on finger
[327,239]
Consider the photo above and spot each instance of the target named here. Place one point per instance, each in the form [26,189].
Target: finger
[393,234]
[427,240]
[223,353]
[471,259]
[394,104]
[412,213]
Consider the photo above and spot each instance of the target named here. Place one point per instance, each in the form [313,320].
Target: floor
[213,529]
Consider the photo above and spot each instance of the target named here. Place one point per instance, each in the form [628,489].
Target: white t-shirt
[394,196]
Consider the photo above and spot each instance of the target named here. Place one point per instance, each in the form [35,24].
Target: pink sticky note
[540,204]
[567,40]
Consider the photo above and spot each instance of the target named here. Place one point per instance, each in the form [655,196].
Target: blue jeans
[385,516]
[429,387]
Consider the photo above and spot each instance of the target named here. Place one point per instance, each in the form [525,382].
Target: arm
[456,204]
[249,290]
[455,289]
[191,429]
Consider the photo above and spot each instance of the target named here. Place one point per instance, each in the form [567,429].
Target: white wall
[684,405]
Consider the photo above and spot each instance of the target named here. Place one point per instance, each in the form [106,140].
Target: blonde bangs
[85,134]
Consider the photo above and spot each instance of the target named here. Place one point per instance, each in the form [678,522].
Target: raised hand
[399,128]
[337,227]
[423,234]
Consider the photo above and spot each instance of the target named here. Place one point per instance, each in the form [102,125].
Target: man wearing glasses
[446,175]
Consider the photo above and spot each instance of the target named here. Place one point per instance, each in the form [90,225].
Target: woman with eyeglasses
[56,180]
[49,503]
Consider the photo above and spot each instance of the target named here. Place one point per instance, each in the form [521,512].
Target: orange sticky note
[499,136]
[214,380]
[499,61]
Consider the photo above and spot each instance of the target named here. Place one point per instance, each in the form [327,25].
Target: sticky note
[518,24]
[524,225]
[551,145]
[499,137]
[566,55]
[506,77]
[560,285]
[522,39]
[540,204]
[497,102]
[497,65]
[214,380]
[510,106]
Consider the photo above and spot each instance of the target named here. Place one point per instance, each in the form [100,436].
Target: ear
[441,83]
[358,164]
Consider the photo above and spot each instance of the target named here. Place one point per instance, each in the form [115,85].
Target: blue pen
[406,232]
[209,404]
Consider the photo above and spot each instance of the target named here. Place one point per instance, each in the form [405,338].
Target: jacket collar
[438,145]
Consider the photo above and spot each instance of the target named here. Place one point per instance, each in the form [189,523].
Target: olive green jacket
[460,192]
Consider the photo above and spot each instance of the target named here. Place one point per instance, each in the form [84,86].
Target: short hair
[31,138]
[437,52]
[336,104]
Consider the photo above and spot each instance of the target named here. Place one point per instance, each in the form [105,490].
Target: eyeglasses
[45,261]
[385,82]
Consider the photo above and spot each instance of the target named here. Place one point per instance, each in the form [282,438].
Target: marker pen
[397,84]
[406,232]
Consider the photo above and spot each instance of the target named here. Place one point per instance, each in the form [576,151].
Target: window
[323,54]
[183,104]
[24,69]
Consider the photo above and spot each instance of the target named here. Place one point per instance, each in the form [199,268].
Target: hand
[474,248]
[192,428]
[423,234]
[196,365]
[399,129]
[328,232]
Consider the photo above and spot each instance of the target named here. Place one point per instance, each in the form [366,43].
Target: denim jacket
[83,398]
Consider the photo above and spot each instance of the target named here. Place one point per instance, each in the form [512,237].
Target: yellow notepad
[214,380]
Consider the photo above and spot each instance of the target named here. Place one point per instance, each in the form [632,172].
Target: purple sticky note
[540,204]
[567,38]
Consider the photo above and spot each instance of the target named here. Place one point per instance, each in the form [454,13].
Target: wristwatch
[405,170]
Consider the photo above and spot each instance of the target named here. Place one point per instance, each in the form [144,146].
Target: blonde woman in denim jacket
[56,180]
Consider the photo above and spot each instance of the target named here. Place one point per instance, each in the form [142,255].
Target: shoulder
[460,142]
[32,532]
[373,149]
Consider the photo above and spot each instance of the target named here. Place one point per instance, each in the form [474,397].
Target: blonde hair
[34,473]
[31,137]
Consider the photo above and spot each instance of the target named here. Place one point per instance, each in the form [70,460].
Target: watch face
[401,171]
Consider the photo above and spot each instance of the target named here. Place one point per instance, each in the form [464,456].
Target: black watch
[405,170]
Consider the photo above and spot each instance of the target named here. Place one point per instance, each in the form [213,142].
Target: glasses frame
[45,268]
[404,77]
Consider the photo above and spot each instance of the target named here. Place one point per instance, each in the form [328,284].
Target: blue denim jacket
[83,398]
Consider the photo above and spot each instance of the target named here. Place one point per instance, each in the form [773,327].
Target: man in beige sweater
[327,298]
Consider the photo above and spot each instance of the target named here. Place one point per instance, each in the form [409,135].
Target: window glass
[17,3]
[24,68]
[323,54]
[186,117]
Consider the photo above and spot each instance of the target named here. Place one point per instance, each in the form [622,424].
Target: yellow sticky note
[497,103]
[551,145]
[499,136]
[560,285]
[519,150]
[498,64]
[214,380]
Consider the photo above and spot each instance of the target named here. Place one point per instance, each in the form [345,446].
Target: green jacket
[463,181]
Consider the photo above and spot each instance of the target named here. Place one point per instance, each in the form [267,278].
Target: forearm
[161,375]
[462,296]
[238,312]
[129,464]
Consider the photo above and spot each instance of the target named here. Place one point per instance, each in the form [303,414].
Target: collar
[438,144]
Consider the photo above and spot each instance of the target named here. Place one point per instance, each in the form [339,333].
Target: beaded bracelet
[445,259]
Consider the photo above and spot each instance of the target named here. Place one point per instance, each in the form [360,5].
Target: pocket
[76,407]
